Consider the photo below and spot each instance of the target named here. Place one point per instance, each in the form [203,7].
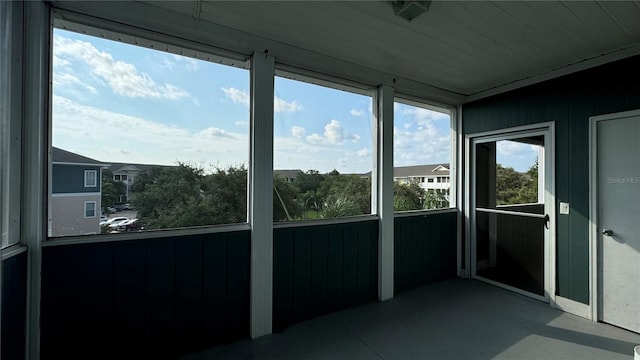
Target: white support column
[457,188]
[384,194]
[261,193]
[35,157]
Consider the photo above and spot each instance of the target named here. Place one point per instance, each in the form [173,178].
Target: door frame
[548,130]
[595,266]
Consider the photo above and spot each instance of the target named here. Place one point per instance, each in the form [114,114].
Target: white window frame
[94,209]
[11,113]
[100,28]
[87,178]
[453,131]
[334,83]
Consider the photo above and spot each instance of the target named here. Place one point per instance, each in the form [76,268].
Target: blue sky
[116,102]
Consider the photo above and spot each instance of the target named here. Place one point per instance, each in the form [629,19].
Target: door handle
[607,232]
[546,221]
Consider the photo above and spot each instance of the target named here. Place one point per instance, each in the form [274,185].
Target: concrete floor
[456,319]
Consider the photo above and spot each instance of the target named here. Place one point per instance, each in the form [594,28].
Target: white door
[618,219]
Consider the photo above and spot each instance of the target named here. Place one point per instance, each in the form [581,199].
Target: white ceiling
[457,51]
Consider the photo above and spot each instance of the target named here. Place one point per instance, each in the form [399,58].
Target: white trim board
[572,307]
[75,194]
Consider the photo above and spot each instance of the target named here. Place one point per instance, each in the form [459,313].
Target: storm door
[510,202]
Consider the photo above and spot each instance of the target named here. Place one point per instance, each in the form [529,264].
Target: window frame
[450,110]
[87,178]
[94,203]
[153,40]
[344,85]
[11,113]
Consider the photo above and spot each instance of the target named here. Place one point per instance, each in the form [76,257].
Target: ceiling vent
[410,10]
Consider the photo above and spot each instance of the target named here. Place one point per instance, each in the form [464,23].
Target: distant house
[287,175]
[127,174]
[75,194]
[429,177]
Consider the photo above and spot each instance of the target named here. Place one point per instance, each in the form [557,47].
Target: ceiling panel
[463,47]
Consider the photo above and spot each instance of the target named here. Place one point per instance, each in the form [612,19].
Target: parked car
[131,225]
[112,209]
[115,219]
[103,218]
[127,206]
[114,225]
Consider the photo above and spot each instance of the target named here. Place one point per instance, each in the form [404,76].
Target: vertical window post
[261,193]
[35,97]
[383,198]
[11,14]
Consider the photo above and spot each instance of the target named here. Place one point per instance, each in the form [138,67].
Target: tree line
[513,187]
[187,196]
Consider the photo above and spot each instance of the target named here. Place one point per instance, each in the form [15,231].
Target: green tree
[226,190]
[310,180]
[111,190]
[286,206]
[184,196]
[311,200]
[308,184]
[340,207]
[513,187]
[529,192]
[407,196]
[436,199]
[345,195]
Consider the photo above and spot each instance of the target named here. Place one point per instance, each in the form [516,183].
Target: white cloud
[280,105]
[240,123]
[421,136]
[518,155]
[237,96]
[333,132]
[297,131]
[364,152]
[64,79]
[242,97]
[509,148]
[355,112]
[110,136]
[59,62]
[315,138]
[123,78]
[298,153]
[212,132]
[189,63]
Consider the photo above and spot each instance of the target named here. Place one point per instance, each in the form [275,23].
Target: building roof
[60,156]
[127,167]
[421,170]
[287,173]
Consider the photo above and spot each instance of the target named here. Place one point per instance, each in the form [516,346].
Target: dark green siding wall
[153,298]
[322,269]
[70,179]
[569,101]
[424,250]
[14,307]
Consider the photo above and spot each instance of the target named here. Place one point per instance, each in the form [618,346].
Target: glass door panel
[509,213]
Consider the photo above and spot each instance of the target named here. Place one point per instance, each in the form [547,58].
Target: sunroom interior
[548,76]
